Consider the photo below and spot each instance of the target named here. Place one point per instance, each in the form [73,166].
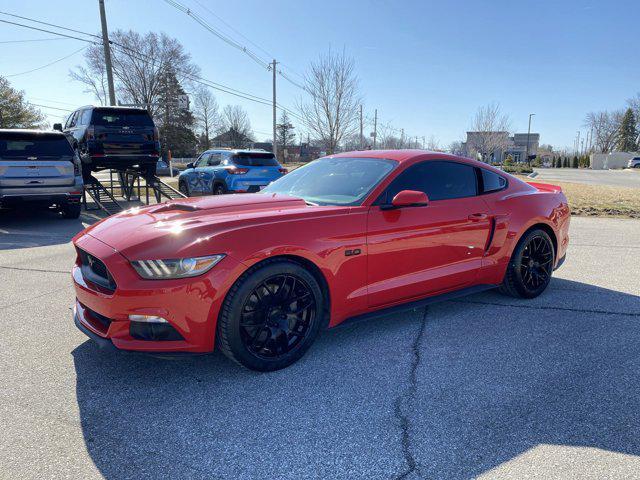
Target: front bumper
[190,306]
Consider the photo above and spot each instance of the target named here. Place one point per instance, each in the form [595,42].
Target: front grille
[95,271]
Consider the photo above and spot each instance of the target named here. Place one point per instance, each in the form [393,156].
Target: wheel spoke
[277,316]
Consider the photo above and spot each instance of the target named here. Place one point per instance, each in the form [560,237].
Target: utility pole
[528,134]
[107,53]
[361,137]
[375,129]
[275,143]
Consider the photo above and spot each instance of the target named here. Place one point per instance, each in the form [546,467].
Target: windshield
[255,160]
[334,181]
[120,118]
[14,145]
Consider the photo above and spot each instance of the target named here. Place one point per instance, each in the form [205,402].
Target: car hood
[189,227]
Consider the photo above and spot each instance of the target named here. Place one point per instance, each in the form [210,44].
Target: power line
[47,65]
[47,31]
[255,57]
[200,80]
[50,24]
[31,40]
[52,108]
[234,29]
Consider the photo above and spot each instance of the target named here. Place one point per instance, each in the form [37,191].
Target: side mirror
[190,165]
[409,198]
[57,126]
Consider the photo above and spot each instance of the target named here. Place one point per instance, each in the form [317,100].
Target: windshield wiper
[311,204]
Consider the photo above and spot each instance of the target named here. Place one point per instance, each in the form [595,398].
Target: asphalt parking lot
[485,386]
[629,178]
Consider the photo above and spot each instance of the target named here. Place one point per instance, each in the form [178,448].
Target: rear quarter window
[492,182]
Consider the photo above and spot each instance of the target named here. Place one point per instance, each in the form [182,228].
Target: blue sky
[426,66]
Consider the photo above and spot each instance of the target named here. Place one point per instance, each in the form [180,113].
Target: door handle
[478,216]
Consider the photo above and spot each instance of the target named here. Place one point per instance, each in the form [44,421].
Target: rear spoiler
[545,187]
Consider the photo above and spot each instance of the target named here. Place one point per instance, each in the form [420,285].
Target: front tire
[271,316]
[531,265]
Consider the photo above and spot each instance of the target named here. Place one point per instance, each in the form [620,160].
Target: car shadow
[493,377]
[28,227]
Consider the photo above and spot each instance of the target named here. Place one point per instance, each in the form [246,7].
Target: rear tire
[71,211]
[271,316]
[531,265]
[183,187]
[219,189]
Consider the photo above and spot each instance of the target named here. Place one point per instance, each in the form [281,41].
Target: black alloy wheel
[536,262]
[276,316]
[218,189]
[271,315]
[531,266]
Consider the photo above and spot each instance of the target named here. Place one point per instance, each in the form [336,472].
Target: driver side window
[202,161]
[440,180]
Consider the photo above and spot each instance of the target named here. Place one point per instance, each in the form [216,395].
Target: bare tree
[489,132]
[206,113]
[433,144]
[331,113]
[605,126]
[457,148]
[236,126]
[139,64]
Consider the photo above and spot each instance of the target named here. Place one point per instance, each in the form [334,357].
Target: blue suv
[217,172]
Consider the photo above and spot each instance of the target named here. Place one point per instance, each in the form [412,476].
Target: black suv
[113,137]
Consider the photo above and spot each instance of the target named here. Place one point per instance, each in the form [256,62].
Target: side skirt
[415,304]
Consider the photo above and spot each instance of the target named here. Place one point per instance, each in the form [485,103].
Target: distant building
[514,146]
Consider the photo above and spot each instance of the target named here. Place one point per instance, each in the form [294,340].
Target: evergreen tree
[175,123]
[15,111]
[628,134]
[574,164]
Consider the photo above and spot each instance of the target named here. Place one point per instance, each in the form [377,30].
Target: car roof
[400,155]
[113,107]
[237,150]
[34,132]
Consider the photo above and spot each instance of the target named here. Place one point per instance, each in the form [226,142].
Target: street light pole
[107,53]
[528,135]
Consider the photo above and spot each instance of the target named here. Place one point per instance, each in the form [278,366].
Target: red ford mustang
[350,235]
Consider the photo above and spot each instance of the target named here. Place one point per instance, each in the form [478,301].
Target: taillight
[237,171]
[283,171]
[90,133]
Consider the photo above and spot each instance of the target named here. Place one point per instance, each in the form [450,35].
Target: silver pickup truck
[39,168]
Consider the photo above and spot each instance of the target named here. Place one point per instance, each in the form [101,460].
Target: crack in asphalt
[22,269]
[543,307]
[406,398]
[26,300]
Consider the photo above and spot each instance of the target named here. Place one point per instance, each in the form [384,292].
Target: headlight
[177,268]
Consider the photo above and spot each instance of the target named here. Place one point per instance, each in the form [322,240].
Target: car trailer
[128,183]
